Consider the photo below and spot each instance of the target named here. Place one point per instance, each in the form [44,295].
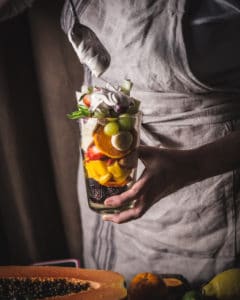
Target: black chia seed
[98,193]
[37,288]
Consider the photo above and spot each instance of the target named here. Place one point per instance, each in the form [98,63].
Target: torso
[195,231]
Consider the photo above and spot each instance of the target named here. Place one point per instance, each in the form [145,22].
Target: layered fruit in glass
[109,123]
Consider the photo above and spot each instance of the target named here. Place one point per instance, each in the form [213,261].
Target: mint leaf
[82,112]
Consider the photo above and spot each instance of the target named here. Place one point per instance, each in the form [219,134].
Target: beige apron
[195,231]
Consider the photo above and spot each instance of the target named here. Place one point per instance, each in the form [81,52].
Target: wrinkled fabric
[211,22]
[195,231]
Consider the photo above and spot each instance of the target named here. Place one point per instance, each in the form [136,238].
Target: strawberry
[93,153]
[110,161]
[86,100]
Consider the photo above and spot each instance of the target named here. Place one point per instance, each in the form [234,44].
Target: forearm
[218,157]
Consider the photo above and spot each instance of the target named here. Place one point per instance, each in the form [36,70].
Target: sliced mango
[113,175]
[122,178]
[96,169]
[105,178]
[91,172]
[119,174]
[115,169]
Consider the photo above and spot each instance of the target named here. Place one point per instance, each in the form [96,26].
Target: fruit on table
[103,143]
[177,286]
[224,286]
[147,285]
[122,141]
[193,295]
[36,282]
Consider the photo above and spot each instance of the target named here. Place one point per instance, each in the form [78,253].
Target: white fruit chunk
[88,127]
[122,141]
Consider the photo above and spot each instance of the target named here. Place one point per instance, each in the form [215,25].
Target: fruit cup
[109,152]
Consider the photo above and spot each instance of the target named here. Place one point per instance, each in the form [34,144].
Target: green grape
[126,122]
[110,119]
[99,114]
[111,128]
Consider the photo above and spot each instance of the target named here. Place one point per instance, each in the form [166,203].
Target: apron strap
[72,10]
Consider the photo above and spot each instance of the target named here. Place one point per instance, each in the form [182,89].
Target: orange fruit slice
[147,286]
[103,143]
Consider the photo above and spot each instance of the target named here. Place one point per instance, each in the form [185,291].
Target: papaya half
[44,282]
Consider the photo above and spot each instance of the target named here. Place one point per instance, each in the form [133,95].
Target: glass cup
[109,157]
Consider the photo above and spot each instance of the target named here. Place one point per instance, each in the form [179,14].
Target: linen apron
[194,231]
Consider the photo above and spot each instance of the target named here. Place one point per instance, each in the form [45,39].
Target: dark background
[39,73]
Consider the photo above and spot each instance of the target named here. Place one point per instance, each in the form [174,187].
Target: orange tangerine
[147,285]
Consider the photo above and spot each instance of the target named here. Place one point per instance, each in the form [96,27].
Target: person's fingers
[126,215]
[133,193]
